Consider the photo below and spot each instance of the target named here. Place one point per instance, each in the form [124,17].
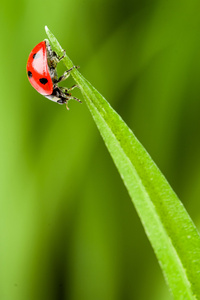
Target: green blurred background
[68,229]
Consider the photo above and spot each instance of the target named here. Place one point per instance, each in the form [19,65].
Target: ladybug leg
[64,54]
[66,74]
[54,59]
[73,87]
[74,98]
[65,96]
[59,58]
[69,98]
[68,95]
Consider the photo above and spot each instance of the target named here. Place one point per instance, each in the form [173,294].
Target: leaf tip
[46,29]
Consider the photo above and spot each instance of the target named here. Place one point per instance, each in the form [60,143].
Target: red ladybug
[42,74]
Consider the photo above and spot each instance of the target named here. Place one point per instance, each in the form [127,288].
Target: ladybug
[42,73]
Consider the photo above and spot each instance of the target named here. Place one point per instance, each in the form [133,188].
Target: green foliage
[174,237]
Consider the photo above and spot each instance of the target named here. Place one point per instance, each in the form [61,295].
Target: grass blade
[168,226]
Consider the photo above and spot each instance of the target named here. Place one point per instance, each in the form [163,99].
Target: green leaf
[168,226]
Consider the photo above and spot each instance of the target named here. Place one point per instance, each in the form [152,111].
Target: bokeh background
[68,229]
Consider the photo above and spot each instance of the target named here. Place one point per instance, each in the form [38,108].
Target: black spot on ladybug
[30,74]
[36,55]
[43,80]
